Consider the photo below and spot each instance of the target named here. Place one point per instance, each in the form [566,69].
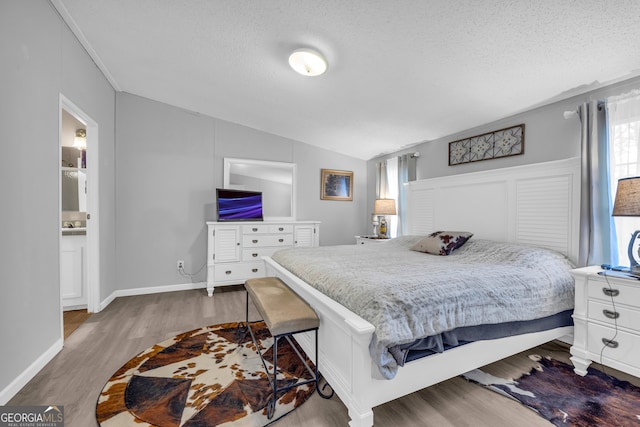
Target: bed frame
[535,204]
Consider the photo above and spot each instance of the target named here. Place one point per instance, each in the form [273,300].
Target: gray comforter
[408,295]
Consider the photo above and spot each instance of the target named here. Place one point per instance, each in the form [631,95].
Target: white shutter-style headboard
[536,204]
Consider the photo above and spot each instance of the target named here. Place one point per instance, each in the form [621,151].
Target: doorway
[79,231]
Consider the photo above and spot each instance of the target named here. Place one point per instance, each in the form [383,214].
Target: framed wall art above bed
[500,143]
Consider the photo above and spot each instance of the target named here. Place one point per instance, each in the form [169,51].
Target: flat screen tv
[239,205]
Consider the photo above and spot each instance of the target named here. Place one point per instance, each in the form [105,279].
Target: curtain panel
[406,173]
[597,229]
[382,183]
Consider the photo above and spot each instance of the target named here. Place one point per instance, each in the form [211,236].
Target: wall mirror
[276,180]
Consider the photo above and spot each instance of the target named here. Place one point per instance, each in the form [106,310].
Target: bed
[529,206]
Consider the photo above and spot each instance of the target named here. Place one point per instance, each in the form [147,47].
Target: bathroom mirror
[276,181]
[74,194]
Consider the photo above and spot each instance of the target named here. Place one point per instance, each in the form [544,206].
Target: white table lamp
[381,208]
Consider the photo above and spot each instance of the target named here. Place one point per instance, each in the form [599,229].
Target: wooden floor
[106,340]
[72,320]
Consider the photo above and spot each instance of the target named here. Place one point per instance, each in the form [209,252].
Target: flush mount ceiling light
[308,62]
[80,141]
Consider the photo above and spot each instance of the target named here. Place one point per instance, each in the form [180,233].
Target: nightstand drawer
[614,289]
[624,348]
[622,316]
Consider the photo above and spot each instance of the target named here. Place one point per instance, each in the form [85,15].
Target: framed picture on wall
[336,185]
[492,145]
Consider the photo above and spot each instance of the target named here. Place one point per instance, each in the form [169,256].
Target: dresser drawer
[238,272]
[267,228]
[255,229]
[256,254]
[620,292]
[256,241]
[624,349]
[281,228]
[622,316]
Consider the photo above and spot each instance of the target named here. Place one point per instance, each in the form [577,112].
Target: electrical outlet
[180,265]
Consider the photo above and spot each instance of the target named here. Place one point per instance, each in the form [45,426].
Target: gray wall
[40,60]
[169,162]
[548,136]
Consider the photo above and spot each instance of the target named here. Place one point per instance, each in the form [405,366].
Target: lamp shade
[627,201]
[384,207]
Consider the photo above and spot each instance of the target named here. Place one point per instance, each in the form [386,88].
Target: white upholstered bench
[285,314]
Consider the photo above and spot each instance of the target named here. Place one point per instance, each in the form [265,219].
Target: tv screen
[239,205]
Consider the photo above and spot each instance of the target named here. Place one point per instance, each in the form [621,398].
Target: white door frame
[93,199]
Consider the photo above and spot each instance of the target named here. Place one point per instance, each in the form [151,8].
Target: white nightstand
[367,240]
[606,321]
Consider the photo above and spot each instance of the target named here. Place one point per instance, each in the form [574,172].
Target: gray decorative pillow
[442,242]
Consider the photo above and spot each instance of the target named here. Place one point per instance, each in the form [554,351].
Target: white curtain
[597,230]
[623,117]
[391,175]
[382,183]
[392,193]
[406,173]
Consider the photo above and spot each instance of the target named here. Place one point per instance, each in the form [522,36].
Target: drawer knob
[610,343]
[281,229]
[254,229]
[255,270]
[227,272]
[280,240]
[254,255]
[255,241]
[611,314]
[611,292]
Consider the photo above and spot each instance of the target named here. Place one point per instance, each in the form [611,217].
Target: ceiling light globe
[80,140]
[308,62]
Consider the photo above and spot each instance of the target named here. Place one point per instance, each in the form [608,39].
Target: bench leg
[246,309]
[246,322]
[271,406]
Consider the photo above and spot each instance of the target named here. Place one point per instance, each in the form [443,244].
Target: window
[624,148]
[392,193]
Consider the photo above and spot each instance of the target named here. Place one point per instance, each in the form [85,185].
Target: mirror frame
[230,161]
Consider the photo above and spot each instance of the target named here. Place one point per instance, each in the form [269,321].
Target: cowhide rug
[566,399]
[205,377]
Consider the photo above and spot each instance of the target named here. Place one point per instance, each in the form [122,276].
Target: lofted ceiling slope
[400,71]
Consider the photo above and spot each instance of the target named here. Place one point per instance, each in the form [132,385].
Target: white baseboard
[150,290]
[16,385]
[108,300]
[26,376]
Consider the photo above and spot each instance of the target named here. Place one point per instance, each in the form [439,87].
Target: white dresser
[607,321]
[235,249]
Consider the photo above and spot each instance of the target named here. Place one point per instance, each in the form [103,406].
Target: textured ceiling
[400,72]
